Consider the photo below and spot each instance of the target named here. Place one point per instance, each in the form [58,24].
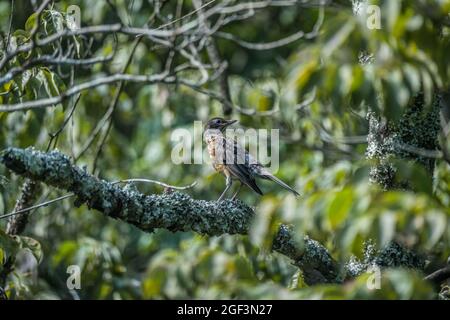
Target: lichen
[309,255]
[354,267]
[395,255]
[392,255]
[417,129]
[174,211]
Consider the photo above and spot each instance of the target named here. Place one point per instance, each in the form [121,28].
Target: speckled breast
[214,151]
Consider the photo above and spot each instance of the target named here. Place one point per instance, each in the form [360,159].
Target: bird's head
[218,124]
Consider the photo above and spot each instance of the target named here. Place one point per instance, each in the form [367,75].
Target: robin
[233,161]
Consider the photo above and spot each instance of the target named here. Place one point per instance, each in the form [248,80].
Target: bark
[173,211]
[177,211]
[216,61]
[410,138]
[16,225]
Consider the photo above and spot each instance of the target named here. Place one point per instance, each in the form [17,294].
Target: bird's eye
[217,121]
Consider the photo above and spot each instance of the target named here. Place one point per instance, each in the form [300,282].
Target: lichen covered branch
[412,137]
[173,211]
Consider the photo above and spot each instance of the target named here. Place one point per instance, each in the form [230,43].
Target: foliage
[317,91]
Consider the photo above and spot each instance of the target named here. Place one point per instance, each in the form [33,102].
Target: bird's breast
[219,167]
[212,144]
[214,150]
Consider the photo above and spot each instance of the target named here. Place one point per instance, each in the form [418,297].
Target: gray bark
[16,224]
[173,211]
[177,211]
[410,138]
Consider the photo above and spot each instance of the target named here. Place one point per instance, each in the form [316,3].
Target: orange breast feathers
[215,148]
[211,143]
[215,151]
[219,167]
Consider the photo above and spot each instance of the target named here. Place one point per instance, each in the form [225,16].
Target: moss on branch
[173,211]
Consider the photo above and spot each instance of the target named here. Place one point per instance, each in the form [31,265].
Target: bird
[234,161]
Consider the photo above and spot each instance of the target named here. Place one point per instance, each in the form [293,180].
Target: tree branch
[16,225]
[215,59]
[439,275]
[46,102]
[173,211]
[30,191]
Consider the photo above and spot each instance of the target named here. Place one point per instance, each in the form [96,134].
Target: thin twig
[439,275]
[54,135]
[216,62]
[165,185]
[39,205]
[50,60]
[46,203]
[278,43]
[10,26]
[41,103]
[186,15]
[9,55]
[109,112]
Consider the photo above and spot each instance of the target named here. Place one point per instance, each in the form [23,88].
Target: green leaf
[31,244]
[412,77]
[338,39]
[387,226]
[438,223]
[396,95]
[31,22]
[8,244]
[50,83]
[3,181]
[53,21]
[428,88]
[340,207]
[391,10]
[244,268]
[261,227]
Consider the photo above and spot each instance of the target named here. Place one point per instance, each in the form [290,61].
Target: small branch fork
[177,211]
[173,211]
[185,37]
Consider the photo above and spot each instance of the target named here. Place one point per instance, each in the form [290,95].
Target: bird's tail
[271,177]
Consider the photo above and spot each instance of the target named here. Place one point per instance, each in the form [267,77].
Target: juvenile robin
[233,161]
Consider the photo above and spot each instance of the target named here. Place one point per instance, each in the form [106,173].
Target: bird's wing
[243,166]
[236,160]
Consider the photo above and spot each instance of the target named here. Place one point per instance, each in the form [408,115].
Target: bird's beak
[229,122]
